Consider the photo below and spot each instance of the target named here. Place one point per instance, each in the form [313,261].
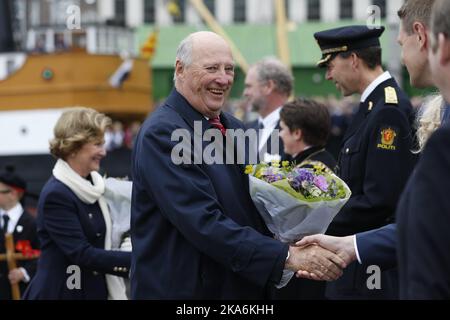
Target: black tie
[258,137]
[5,223]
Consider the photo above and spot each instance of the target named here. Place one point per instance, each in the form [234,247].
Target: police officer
[375,158]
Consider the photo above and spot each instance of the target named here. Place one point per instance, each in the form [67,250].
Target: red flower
[24,247]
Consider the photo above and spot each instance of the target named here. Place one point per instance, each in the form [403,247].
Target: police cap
[334,41]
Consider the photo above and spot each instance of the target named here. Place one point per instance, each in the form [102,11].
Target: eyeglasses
[5,191]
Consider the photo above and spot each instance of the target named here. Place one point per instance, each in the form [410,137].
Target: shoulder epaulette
[390,95]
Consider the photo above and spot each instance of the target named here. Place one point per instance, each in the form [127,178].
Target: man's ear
[269,87]
[298,134]
[179,68]
[422,36]
[444,49]
[354,60]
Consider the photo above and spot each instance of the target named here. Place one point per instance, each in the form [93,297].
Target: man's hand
[15,276]
[342,246]
[317,262]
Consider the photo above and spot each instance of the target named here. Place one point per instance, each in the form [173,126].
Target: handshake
[321,257]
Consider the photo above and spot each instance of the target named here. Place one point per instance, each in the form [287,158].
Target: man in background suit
[195,231]
[21,225]
[268,86]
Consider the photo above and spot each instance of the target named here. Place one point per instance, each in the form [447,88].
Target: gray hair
[184,52]
[273,69]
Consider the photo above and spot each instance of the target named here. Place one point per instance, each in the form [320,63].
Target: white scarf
[90,193]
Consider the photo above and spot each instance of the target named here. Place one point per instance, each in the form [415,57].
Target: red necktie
[215,122]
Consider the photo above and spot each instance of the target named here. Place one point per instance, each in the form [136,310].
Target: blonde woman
[73,221]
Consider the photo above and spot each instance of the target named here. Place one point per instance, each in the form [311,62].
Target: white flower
[315,192]
[271,157]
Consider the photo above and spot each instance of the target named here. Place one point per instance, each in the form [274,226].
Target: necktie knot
[215,122]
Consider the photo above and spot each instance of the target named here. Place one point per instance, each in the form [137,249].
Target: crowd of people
[116,136]
[194,230]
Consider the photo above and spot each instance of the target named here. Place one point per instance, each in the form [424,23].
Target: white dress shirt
[381,78]
[14,215]
[269,122]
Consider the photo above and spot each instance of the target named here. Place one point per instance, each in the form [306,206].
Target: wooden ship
[97,66]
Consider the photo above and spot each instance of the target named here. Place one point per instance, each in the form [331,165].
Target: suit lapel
[177,102]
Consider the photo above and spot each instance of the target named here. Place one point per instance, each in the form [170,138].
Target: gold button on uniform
[347,150]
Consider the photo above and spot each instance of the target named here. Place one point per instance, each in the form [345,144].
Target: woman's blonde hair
[76,127]
[428,119]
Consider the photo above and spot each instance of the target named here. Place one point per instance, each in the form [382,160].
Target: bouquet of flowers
[294,201]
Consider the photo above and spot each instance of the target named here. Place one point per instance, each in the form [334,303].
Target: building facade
[250,23]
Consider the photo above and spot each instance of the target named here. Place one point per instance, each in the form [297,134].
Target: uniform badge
[387,139]
[19,228]
[390,95]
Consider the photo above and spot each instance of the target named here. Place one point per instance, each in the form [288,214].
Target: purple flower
[321,183]
[273,177]
[304,175]
[300,178]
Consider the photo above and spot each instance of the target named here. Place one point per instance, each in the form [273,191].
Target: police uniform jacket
[375,160]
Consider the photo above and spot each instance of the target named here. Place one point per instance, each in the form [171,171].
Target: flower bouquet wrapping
[296,201]
[118,196]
